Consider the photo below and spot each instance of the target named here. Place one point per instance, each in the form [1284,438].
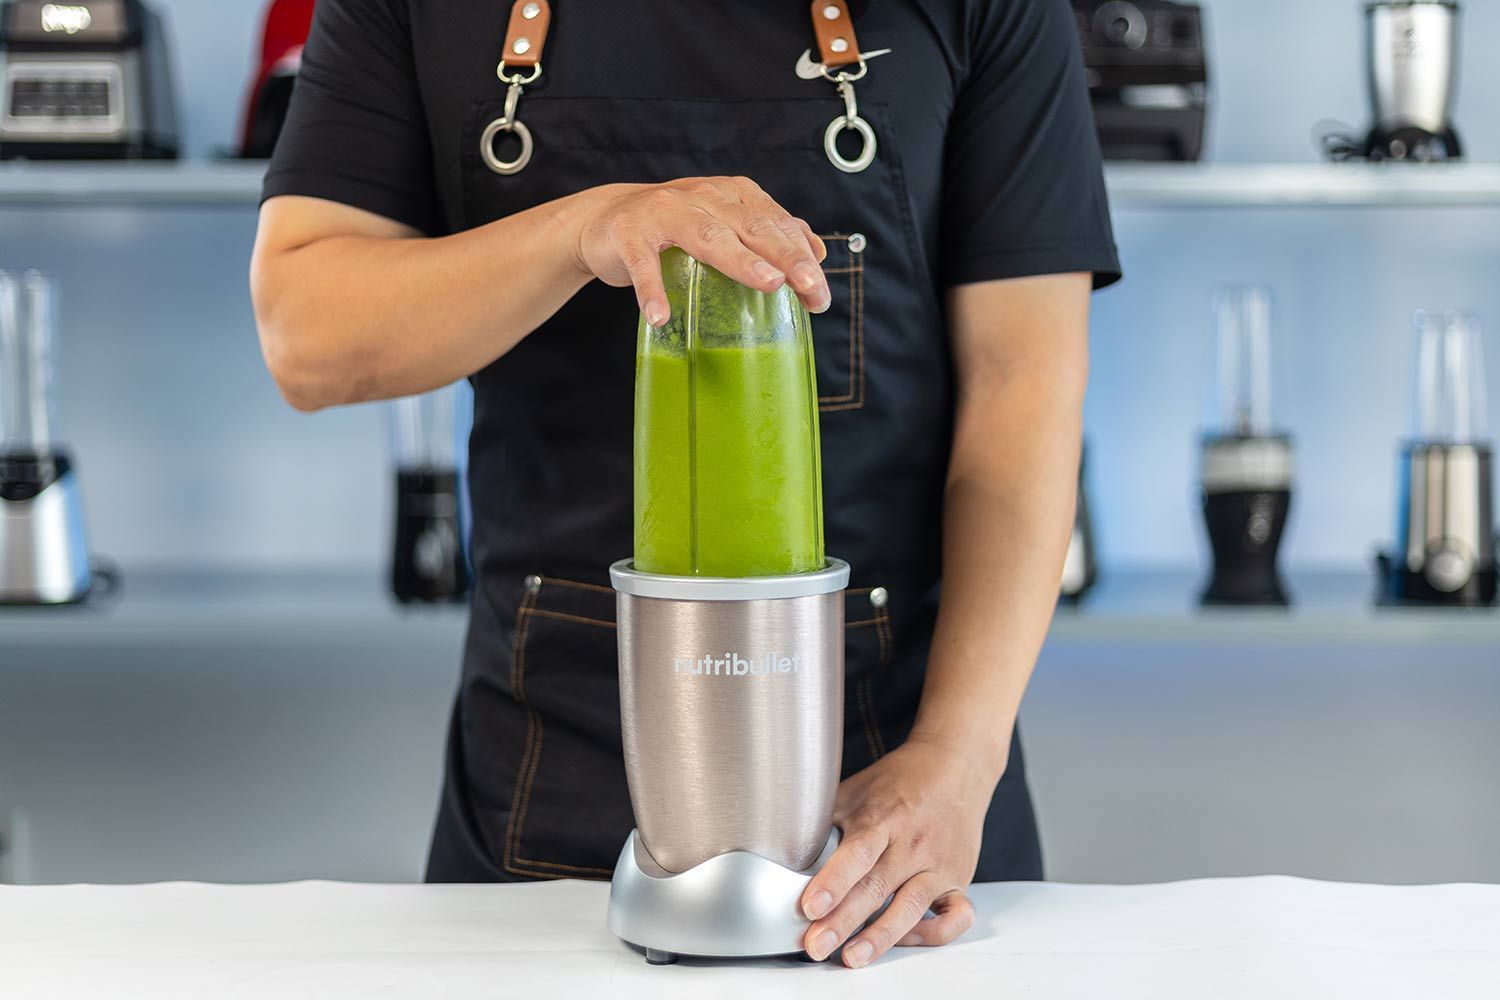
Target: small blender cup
[731,623]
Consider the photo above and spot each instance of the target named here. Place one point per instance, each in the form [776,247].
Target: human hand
[912,824]
[728,223]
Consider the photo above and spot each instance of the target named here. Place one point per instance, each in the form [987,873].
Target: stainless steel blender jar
[730,623]
[1413,48]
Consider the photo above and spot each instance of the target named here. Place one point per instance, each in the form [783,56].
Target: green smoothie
[727,466]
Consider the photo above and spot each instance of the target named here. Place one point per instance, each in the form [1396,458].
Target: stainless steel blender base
[735,905]
[43,556]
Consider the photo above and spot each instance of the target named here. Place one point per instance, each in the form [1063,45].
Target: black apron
[535,784]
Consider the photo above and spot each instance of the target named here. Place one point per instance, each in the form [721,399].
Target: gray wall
[190,457]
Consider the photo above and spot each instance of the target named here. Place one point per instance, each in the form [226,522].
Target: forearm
[1008,513]
[350,318]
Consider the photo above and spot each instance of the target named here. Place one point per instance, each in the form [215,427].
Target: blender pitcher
[731,628]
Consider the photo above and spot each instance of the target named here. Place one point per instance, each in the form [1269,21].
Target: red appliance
[285,33]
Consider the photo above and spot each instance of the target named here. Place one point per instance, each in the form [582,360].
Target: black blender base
[1267,599]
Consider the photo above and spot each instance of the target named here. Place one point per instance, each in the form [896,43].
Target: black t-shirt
[993,123]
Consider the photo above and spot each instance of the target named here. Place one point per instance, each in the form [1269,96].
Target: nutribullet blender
[730,629]
[1445,530]
[428,564]
[1246,466]
[43,552]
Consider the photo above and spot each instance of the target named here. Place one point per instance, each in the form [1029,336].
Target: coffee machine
[730,629]
[85,80]
[43,550]
[1147,73]
[1246,467]
[1411,56]
[1445,551]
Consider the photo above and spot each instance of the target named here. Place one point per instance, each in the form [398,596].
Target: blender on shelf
[43,549]
[85,81]
[1246,467]
[1411,62]
[1444,549]
[429,564]
[730,629]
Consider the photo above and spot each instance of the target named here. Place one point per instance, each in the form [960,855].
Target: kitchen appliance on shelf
[1080,570]
[1411,60]
[428,564]
[730,625]
[43,547]
[283,36]
[1147,72]
[87,80]
[1445,530]
[1246,466]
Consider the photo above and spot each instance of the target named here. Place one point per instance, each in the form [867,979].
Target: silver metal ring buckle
[514,78]
[487,146]
[836,128]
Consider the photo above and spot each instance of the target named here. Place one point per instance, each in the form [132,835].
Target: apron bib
[536,785]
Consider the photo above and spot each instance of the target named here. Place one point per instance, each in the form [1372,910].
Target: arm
[352,306]
[912,822]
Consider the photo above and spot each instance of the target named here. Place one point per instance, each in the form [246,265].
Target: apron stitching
[577,584]
[533,722]
[861,623]
[856,334]
[532,757]
[855,400]
[564,616]
[883,630]
[865,716]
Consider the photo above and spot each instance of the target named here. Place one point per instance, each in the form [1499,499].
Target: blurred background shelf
[1132,185]
[1139,606]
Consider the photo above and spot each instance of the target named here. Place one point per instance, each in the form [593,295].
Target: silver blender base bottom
[736,905]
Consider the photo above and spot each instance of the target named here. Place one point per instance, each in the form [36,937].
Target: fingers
[781,238]
[853,859]
[643,263]
[867,894]
[953,915]
[728,223]
[709,237]
[905,912]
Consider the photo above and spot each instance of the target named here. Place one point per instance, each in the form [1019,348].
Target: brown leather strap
[527,34]
[835,30]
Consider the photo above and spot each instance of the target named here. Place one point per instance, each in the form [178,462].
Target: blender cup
[1246,470]
[731,628]
[428,563]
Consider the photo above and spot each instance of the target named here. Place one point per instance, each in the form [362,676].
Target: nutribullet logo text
[731,664]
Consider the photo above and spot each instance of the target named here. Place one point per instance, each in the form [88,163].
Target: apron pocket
[839,333]
[868,647]
[570,813]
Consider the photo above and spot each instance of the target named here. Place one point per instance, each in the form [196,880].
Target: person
[950,282]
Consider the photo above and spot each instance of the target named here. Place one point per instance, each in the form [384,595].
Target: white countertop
[1226,938]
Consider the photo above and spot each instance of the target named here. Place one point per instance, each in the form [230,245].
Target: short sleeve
[356,132]
[1023,180]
